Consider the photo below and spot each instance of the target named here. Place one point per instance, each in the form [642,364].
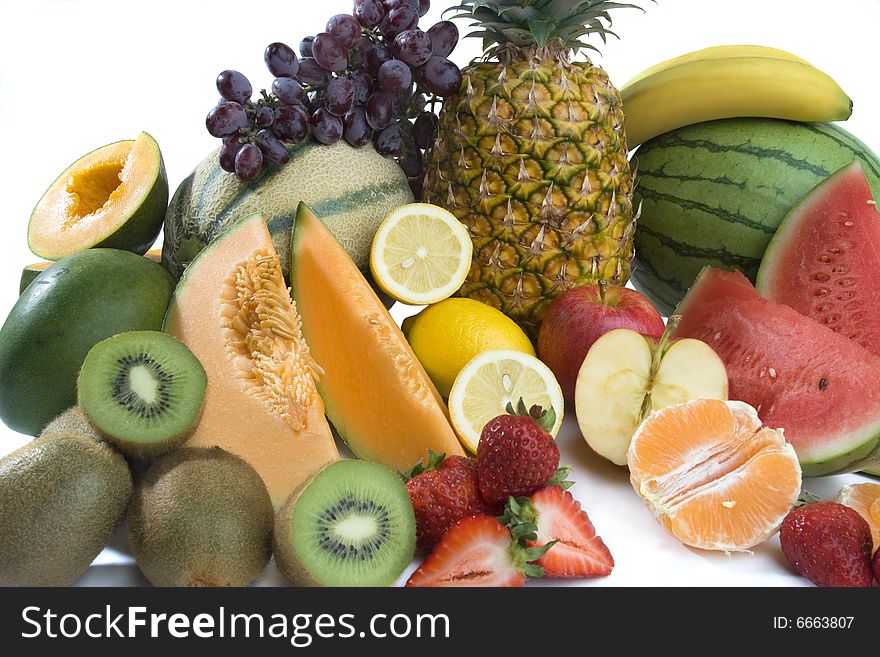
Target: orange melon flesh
[261,402]
[377,394]
[96,196]
[712,475]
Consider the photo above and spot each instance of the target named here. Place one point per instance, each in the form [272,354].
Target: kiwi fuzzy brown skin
[201,517]
[73,419]
[62,497]
[285,558]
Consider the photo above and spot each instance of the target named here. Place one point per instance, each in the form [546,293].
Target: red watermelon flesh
[819,386]
[824,260]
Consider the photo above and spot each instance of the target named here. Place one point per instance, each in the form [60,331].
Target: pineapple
[531,156]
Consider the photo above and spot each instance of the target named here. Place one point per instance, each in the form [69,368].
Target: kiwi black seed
[201,517]
[352,525]
[143,390]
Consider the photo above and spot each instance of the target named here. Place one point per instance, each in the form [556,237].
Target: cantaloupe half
[377,394]
[233,310]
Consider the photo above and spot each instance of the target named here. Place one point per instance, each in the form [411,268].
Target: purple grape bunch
[372,77]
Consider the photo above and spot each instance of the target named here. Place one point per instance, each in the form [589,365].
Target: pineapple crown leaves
[523,24]
[521,519]
[544,418]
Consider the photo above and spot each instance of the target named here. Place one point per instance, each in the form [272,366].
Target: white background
[75,75]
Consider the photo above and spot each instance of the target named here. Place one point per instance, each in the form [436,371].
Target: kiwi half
[143,390]
[352,525]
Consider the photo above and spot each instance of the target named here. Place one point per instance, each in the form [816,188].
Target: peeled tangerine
[233,310]
[625,376]
[864,498]
[712,475]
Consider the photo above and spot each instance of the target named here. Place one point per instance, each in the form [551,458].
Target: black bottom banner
[405,621]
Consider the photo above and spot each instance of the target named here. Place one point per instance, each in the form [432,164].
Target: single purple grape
[424,128]
[399,19]
[305,46]
[345,29]
[377,56]
[226,119]
[363,85]
[281,60]
[264,116]
[313,74]
[388,141]
[424,7]
[329,53]
[413,163]
[339,97]
[394,76]
[357,54]
[291,123]
[444,38]
[356,131]
[326,128]
[413,47]
[248,162]
[228,151]
[441,77]
[234,86]
[288,90]
[369,13]
[273,150]
[379,110]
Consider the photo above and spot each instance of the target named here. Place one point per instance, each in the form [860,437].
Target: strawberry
[477,551]
[442,493]
[516,456]
[876,564]
[828,543]
[554,515]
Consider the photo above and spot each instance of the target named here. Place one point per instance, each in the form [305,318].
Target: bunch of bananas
[726,82]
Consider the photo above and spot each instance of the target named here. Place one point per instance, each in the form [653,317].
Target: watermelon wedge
[819,386]
[824,260]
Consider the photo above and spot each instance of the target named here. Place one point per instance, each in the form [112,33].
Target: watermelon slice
[819,386]
[824,260]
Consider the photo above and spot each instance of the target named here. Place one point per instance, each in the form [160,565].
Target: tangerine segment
[864,498]
[713,477]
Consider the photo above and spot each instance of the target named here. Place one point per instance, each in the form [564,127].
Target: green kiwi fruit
[352,525]
[62,497]
[201,517]
[73,419]
[143,390]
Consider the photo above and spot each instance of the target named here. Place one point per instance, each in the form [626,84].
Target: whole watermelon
[351,189]
[714,193]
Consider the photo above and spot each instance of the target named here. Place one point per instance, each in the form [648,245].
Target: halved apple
[626,376]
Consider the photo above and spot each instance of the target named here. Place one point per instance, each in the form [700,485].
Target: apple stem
[671,325]
[602,285]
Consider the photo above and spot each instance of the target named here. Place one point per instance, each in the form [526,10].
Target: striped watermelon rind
[351,189]
[714,194]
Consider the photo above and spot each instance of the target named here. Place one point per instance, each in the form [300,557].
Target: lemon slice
[494,379]
[421,254]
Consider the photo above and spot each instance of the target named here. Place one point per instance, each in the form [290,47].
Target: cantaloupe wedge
[377,394]
[233,310]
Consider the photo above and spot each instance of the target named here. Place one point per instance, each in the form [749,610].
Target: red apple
[580,316]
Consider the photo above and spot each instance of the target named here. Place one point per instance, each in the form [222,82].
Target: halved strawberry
[477,551]
[557,516]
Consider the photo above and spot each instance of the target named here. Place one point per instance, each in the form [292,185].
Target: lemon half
[421,254]
[494,379]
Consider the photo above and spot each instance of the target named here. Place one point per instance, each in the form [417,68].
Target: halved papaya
[377,394]
[233,310]
[115,197]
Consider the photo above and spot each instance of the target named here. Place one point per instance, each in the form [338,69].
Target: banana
[726,82]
